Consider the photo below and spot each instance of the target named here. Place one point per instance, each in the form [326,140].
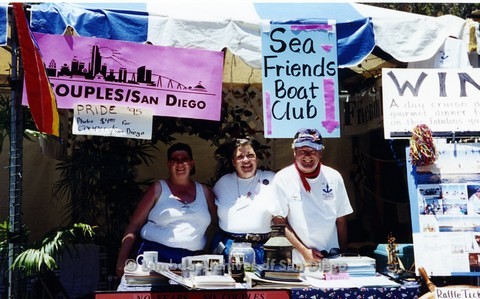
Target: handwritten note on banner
[170,81]
[447,100]
[115,121]
[299,77]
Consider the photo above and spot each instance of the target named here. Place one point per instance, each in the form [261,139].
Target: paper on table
[213,281]
[356,261]
[176,278]
[352,282]
[202,282]
[253,280]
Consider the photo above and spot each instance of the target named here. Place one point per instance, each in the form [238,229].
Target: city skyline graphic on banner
[175,82]
[95,69]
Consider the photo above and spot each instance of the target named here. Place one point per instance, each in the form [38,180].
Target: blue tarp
[354,31]
[236,25]
[355,36]
[53,18]
[3,24]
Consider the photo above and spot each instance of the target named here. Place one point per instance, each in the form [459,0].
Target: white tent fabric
[236,25]
[405,36]
[411,37]
[452,54]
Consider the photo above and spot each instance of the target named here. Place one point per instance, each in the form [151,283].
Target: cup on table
[147,259]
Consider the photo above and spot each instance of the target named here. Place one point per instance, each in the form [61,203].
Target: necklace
[251,184]
[185,203]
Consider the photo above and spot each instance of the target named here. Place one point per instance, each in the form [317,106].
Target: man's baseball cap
[308,137]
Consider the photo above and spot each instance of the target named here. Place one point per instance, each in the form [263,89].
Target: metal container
[278,249]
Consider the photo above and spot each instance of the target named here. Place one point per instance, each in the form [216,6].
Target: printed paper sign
[115,121]
[170,81]
[446,100]
[300,85]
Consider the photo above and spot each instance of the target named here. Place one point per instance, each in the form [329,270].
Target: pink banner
[171,81]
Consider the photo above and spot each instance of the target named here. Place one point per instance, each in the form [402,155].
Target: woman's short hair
[238,142]
[180,147]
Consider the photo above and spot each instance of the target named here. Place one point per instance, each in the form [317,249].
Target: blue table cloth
[356,293]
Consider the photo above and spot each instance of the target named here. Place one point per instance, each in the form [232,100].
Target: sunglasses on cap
[333,253]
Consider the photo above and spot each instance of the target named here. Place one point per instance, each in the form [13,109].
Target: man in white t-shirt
[314,201]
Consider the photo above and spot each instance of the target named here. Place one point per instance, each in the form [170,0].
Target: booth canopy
[237,26]
[362,30]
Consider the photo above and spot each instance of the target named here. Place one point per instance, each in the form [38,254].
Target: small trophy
[394,264]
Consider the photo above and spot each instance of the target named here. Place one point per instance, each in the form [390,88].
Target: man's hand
[312,255]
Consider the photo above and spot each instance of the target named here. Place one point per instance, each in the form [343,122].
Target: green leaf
[40,257]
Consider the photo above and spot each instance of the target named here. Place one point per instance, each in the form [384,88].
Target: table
[197,294]
[408,290]
[294,293]
[377,292]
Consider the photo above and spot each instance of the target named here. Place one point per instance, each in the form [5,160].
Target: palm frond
[41,257]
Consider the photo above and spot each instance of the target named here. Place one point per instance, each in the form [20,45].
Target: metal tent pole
[16,161]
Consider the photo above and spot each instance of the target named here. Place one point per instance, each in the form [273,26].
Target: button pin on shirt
[296,197]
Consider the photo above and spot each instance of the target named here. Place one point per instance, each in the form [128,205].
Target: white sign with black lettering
[114,121]
[446,100]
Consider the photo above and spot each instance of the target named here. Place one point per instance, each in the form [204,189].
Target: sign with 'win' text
[446,100]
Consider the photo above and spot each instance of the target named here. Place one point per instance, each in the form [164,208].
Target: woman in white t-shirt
[244,204]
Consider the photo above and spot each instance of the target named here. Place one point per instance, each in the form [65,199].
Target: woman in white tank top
[173,215]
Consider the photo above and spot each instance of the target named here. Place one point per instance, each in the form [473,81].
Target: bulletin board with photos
[445,211]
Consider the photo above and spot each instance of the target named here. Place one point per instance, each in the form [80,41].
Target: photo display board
[445,211]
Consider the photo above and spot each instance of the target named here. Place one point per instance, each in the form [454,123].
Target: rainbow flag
[40,96]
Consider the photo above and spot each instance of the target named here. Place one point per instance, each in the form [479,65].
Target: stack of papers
[278,273]
[355,266]
[213,281]
[138,277]
[254,281]
[200,282]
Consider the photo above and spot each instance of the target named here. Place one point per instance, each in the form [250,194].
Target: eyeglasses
[333,253]
[307,152]
[249,157]
[180,161]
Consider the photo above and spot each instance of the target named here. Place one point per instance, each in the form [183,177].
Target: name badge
[295,197]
